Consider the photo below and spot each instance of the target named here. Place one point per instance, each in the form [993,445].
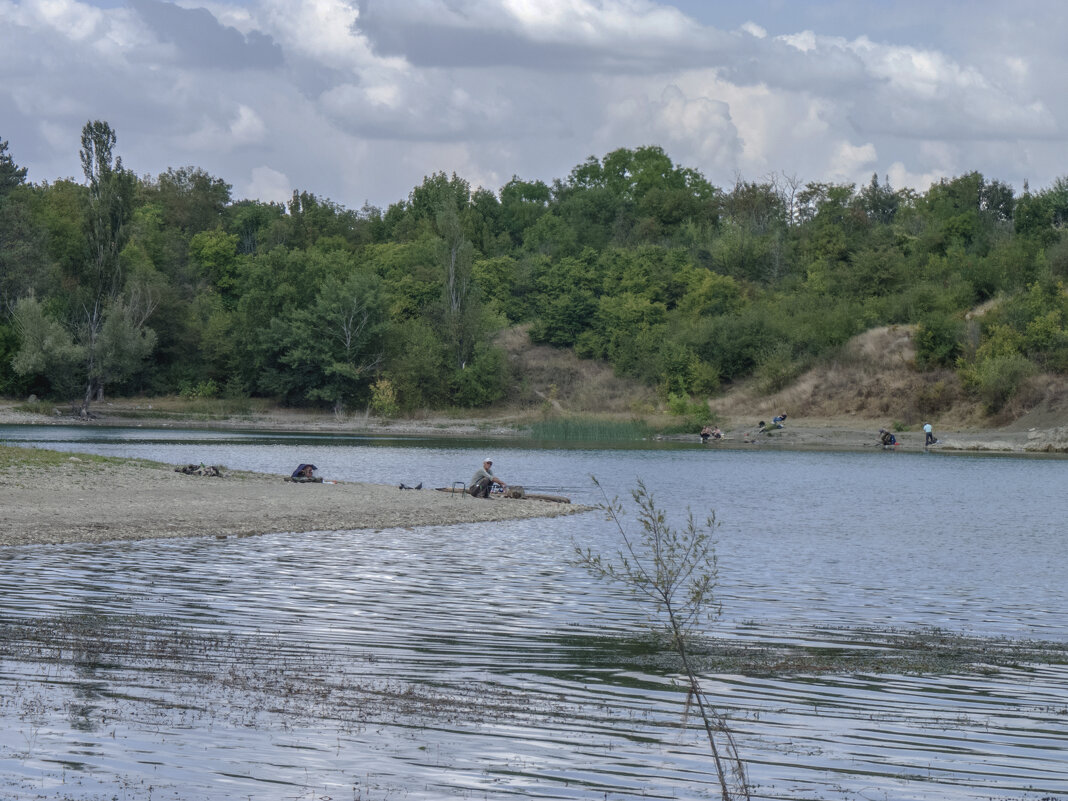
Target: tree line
[166,284]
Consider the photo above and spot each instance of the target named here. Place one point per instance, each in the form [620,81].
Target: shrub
[696,413]
[934,398]
[481,382]
[705,377]
[777,369]
[235,388]
[938,341]
[997,379]
[384,398]
[202,389]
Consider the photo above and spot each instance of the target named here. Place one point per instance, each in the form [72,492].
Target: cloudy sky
[358,100]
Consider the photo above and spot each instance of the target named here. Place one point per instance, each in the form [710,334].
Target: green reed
[591,429]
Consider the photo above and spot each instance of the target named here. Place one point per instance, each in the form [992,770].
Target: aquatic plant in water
[676,570]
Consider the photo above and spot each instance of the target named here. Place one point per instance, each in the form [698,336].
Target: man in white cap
[483,479]
[928,435]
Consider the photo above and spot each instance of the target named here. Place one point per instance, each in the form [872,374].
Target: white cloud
[71,19]
[359,99]
[324,31]
[267,184]
[56,136]
[247,128]
[695,125]
[805,41]
[849,160]
[899,176]
[754,30]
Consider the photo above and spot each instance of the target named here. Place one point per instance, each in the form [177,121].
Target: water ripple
[475,661]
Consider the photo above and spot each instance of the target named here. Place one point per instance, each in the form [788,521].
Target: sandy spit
[83,500]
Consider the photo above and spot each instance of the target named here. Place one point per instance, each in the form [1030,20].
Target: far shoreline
[850,435]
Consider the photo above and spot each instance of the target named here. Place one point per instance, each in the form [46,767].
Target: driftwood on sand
[513,492]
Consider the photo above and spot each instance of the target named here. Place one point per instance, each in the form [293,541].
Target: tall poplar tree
[108,210]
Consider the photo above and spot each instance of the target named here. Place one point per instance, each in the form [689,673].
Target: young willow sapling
[675,569]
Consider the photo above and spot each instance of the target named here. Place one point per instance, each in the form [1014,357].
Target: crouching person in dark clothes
[305,474]
[483,480]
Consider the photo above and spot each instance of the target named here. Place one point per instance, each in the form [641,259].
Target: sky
[356,101]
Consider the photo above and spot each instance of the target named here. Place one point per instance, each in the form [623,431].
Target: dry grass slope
[569,384]
[873,381]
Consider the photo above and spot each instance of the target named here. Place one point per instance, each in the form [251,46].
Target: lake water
[475,661]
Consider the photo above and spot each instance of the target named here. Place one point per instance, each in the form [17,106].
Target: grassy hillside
[872,380]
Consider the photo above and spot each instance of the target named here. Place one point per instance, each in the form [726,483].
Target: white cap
[487,459]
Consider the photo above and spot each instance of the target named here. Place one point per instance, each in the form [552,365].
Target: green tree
[11,175]
[879,201]
[417,365]
[252,222]
[109,207]
[124,341]
[522,204]
[938,341]
[497,279]
[631,196]
[754,237]
[461,306]
[482,381]
[46,348]
[24,266]
[337,342]
[410,274]
[191,200]
[214,253]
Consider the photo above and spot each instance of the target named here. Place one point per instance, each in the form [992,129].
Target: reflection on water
[473,661]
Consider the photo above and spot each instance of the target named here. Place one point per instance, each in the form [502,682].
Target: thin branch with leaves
[677,570]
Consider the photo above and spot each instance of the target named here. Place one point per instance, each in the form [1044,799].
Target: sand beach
[50,498]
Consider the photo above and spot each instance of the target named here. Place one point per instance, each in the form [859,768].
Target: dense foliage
[168,285]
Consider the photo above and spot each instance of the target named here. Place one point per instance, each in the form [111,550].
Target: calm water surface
[475,662]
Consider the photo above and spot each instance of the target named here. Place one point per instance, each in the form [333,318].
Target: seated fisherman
[305,473]
[483,480]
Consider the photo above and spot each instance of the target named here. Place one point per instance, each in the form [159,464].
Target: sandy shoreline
[87,499]
[802,434]
[850,434]
[815,436]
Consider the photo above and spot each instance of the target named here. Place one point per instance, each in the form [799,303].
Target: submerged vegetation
[167,285]
[258,679]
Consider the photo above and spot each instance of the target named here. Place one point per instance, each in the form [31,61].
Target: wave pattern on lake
[475,662]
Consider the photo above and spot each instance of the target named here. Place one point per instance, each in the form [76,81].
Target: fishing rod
[538,488]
